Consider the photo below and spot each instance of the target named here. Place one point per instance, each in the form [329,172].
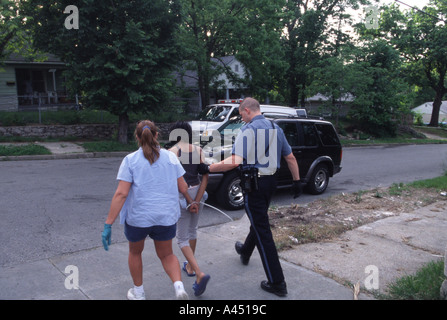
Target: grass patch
[109,146]
[29,149]
[13,139]
[440,131]
[347,143]
[425,284]
[439,183]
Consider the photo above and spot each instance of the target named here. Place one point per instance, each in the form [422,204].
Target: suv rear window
[310,137]
[300,133]
[327,134]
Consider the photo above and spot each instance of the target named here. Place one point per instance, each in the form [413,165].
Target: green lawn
[22,150]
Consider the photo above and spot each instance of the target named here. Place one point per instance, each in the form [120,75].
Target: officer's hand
[203,169]
[297,188]
[107,236]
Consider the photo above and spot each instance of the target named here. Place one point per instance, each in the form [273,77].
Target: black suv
[314,143]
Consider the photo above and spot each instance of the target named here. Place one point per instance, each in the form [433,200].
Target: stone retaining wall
[99,131]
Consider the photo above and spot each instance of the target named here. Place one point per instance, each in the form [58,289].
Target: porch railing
[49,100]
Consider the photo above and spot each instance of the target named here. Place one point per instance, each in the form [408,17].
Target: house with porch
[28,85]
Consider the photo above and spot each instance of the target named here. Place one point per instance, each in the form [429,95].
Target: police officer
[260,144]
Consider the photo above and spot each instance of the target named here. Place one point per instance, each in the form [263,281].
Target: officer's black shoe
[280,289]
[244,259]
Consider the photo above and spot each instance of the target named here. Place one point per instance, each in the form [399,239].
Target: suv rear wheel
[230,193]
[319,179]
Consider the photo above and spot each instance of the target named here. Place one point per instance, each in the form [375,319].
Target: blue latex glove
[107,236]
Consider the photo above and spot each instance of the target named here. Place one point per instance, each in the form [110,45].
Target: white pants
[188,222]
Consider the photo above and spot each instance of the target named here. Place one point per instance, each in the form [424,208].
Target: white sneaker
[132,296]
[181,294]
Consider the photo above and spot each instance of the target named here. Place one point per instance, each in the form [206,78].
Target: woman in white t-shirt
[147,200]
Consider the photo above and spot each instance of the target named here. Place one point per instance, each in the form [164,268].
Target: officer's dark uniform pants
[260,235]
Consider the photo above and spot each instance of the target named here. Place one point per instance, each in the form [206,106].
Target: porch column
[53,71]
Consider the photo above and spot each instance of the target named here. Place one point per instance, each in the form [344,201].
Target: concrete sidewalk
[392,248]
[105,275]
[396,246]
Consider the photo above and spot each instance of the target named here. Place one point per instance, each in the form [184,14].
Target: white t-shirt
[153,196]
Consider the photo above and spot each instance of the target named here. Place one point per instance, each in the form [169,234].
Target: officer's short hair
[250,103]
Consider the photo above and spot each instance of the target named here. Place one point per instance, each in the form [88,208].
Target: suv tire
[230,195]
[319,179]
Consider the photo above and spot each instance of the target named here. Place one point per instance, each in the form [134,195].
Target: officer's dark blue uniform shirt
[261,144]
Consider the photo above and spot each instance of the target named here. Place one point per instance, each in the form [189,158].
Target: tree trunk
[293,92]
[203,86]
[440,90]
[303,98]
[122,128]
[434,121]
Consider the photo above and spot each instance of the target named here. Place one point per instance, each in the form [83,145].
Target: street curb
[85,155]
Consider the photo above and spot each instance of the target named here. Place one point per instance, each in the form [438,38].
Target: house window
[30,81]
[236,68]
[38,80]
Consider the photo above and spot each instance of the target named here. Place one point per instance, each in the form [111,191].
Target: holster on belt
[249,179]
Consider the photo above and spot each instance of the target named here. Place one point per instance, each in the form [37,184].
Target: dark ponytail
[146,132]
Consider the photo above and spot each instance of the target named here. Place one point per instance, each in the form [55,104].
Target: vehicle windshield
[214,113]
[234,124]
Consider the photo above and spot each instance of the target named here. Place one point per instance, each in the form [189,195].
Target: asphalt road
[52,207]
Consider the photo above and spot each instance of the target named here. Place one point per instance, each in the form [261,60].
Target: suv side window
[327,134]
[291,132]
[310,138]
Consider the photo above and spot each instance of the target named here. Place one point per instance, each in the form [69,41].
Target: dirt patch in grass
[325,219]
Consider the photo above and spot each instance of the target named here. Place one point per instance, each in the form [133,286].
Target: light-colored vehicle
[216,115]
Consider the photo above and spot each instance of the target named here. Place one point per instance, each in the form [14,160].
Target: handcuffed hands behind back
[193,207]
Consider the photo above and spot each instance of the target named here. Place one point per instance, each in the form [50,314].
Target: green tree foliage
[375,81]
[421,38]
[205,33]
[120,57]
[306,39]
[14,37]
[123,53]
[248,29]
[256,43]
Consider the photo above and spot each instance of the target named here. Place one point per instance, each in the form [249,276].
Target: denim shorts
[158,233]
